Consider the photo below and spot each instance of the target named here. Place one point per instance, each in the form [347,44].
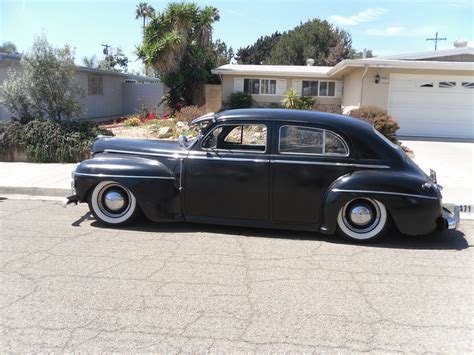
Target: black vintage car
[267,168]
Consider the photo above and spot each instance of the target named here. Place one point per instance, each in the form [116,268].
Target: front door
[227,174]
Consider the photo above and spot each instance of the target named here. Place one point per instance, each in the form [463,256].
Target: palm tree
[177,43]
[144,10]
[206,18]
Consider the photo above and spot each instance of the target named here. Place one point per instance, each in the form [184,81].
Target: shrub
[165,129]
[379,118]
[189,113]
[292,100]
[46,87]
[47,141]
[132,121]
[306,103]
[239,100]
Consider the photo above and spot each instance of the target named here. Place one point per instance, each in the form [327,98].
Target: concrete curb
[35,191]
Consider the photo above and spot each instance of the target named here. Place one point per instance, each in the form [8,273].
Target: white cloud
[389,31]
[367,15]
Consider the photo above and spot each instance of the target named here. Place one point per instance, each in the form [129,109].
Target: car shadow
[447,240]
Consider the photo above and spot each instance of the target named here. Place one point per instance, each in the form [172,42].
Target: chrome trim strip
[217,158]
[170,155]
[369,166]
[385,193]
[127,176]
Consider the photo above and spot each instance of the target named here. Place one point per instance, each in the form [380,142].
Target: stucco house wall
[107,104]
[263,100]
[137,95]
[378,94]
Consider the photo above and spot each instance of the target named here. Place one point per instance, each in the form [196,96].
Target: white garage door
[433,105]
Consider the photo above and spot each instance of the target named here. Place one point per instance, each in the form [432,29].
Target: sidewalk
[35,179]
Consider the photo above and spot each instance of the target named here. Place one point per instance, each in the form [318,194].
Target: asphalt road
[68,284]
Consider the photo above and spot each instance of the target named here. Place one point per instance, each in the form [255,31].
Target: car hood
[143,146]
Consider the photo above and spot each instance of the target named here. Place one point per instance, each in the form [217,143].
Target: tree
[90,62]
[114,60]
[46,88]
[177,43]
[360,55]
[222,54]
[316,39]
[144,10]
[8,47]
[259,51]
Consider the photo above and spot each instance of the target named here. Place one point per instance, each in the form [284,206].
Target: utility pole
[436,39]
[106,53]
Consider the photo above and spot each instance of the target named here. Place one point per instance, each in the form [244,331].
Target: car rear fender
[414,209]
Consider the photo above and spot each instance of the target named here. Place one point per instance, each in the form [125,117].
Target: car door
[227,174]
[308,160]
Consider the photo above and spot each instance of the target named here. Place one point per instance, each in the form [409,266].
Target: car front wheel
[363,220]
[113,204]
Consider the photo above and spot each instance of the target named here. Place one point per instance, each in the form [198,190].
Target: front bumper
[450,218]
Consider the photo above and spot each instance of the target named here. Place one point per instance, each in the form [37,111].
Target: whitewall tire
[113,204]
[362,219]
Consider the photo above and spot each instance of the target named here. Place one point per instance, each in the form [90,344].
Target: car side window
[251,137]
[307,140]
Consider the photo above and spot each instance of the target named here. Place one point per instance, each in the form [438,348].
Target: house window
[260,86]
[310,88]
[447,84]
[306,140]
[468,84]
[252,86]
[268,87]
[327,88]
[95,86]
[318,88]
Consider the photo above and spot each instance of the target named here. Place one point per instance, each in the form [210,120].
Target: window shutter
[298,86]
[281,87]
[339,85]
[238,84]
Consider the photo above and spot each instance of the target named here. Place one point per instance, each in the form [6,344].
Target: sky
[386,27]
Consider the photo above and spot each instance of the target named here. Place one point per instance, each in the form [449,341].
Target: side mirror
[183,141]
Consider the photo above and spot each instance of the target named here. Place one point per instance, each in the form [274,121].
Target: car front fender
[153,183]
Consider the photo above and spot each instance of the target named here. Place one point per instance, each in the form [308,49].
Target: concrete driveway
[70,285]
[454,166]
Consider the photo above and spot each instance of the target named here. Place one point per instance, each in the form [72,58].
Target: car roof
[302,116]
[360,133]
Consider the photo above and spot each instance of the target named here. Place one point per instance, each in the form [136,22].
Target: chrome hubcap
[360,215]
[114,200]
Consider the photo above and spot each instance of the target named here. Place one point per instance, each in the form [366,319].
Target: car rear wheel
[113,204]
[362,220]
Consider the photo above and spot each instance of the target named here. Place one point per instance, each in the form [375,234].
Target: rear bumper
[450,218]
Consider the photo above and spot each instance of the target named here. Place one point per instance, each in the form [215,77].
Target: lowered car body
[268,168]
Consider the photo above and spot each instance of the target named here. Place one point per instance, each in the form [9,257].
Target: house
[431,94]
[108,94]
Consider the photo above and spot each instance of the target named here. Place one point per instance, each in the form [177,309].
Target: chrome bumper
[451,216]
